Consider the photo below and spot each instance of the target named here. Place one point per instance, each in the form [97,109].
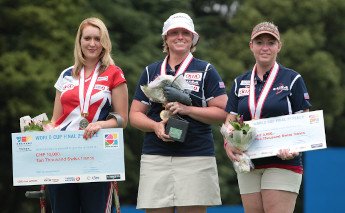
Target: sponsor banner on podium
[58,157]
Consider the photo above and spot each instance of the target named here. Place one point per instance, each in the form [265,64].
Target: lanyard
[85,101]
[182,67]
[256,107]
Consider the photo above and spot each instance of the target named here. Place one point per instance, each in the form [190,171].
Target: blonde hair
[105,57]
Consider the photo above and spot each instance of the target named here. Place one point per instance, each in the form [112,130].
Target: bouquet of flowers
[239,135]
[167,88]
[155,89]
[38,123]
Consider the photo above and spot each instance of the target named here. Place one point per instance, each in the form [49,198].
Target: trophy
[176,127]
[167,88]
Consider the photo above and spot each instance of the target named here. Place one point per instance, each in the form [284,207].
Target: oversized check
[65,157]
[297,132]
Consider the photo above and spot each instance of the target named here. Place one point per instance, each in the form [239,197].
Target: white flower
[241,136]
[244,164]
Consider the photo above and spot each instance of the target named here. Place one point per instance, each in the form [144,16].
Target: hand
[91,129]
[160,131]
[177,108]
[231,151]
[285,154]
[48,127]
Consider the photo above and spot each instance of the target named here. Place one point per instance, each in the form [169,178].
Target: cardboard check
[65,157]
[297,132]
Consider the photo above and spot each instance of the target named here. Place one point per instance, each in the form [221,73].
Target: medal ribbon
[256,108]
[182,67]
[85,102]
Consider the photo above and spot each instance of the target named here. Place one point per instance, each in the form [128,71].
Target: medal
[83,123]
[85,101]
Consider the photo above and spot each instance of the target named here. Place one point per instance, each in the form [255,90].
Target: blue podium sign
[66,157]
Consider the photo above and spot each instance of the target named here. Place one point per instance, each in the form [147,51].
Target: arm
[139,120]
[213,113]
[120,105]
[230,117]
[57,111]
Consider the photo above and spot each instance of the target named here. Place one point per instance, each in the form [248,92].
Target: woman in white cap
[175,175]
[268,90]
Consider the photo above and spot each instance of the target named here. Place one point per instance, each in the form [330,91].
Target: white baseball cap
[180,20]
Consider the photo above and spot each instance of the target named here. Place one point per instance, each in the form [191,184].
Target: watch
[117,117]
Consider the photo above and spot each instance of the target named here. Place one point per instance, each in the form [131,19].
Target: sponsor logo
[24,149]
[113,177]
[51,180]
[69,179]
[192,82]
[313,119]
[243,92]
[24,143]
[27,180]
[103,78]
[93,178]
[316,145]
[111,140]
[196,76]
[221,85]
[72,179]
[245,82]
[280,88]
[195,88]
[24,139]
[67,87]
[101,87]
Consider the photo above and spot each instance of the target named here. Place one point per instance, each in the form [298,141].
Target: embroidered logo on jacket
[280,88]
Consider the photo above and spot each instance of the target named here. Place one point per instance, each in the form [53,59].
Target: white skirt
[167,181]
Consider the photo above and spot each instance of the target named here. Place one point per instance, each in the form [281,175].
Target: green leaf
[236,125]
[245,128]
